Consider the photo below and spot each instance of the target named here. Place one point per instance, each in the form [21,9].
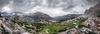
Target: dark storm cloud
[4,2]
[19,4]
[28,4]
[46,6]
[24,4]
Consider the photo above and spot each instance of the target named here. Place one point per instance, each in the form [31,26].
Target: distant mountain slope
[67,17]
[93,11]
[39,16]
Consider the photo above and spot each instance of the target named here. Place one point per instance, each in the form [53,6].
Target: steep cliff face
[94,11]
[91,25]
[52,8]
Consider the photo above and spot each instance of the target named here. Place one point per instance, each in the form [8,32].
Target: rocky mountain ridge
[77,25]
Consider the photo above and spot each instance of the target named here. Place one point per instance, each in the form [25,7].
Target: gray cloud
[47,6]
[4,2]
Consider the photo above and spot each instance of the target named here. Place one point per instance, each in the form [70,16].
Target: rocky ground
[89,23]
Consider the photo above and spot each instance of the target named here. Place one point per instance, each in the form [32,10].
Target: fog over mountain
[51,7]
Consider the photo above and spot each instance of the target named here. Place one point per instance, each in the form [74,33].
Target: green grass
[52,28]
[55,28]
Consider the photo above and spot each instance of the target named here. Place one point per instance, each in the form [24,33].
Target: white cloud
[6,8]
[50,11]
[75,7]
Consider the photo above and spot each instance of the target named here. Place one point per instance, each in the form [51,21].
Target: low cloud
[51,7]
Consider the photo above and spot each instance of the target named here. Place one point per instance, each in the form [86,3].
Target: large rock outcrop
[91,25]
[93,11]
[7,27]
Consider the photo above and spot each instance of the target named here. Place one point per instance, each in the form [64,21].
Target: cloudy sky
[51,7]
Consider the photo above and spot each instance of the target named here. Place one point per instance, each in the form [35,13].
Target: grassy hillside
[49,28]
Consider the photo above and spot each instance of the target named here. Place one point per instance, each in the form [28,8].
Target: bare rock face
[93,23]
[90,26]
[71,31]
[93,11]
[78,31]
[7,27]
